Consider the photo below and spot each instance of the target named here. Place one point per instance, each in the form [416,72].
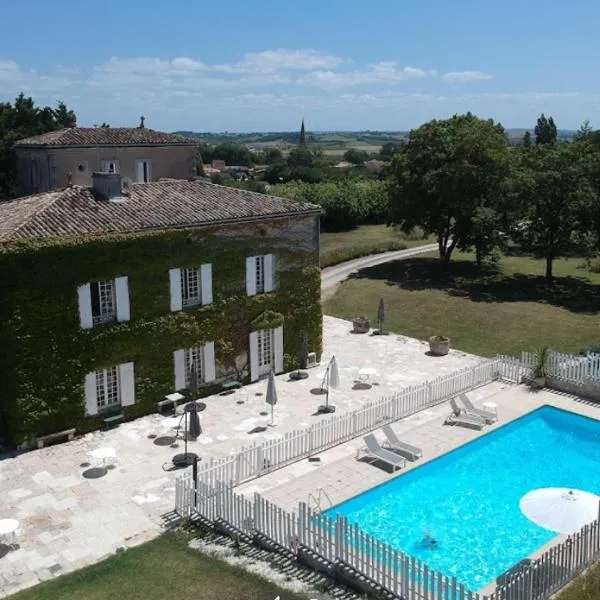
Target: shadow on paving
[463,279]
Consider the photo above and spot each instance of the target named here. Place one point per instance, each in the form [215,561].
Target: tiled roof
[106,136]
[158,205]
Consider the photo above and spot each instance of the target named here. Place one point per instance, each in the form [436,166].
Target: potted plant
[541,369]
[439,345]
[361,325]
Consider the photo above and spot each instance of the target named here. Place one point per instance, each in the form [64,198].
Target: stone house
[111,295]
[52,160]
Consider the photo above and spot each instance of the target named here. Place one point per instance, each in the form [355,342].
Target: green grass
[583,587]
[362,241]
[163,568]
[498,313]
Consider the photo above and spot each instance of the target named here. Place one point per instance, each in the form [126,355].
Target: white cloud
[381,72]
[465,76]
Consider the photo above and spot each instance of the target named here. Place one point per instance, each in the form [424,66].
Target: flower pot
[439,345]
[361,325]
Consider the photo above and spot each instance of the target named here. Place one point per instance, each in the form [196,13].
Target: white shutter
[209,362]
[269,272]
[179,358]
[206,280]
[85,306]
[175,283]
[91,402]
[122,294]
[253,352]
[127,383]
[278,349]
[251,275]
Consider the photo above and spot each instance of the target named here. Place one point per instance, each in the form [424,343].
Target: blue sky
[343,64]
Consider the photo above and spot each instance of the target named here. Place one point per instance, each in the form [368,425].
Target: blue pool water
[468,499]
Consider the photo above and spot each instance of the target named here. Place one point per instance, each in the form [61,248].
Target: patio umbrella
[381,315]
[194,428]
[333,380]
[560,509]
[193,386]
[271,394]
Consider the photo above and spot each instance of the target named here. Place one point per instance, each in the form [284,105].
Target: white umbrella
[560,509]
[271,394]
[334,376]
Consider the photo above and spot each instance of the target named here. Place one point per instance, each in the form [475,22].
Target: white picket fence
[259,459]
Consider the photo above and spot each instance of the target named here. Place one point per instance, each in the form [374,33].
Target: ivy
[45,355]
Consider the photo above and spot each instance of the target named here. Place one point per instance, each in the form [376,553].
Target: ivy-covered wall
[45,355]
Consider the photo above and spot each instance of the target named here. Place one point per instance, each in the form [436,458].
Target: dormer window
[110,166]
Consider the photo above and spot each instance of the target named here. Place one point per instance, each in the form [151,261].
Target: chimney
[108,186]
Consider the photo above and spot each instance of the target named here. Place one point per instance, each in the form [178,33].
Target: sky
[243,66]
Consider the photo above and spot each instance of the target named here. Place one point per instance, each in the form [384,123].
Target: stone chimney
[108,186]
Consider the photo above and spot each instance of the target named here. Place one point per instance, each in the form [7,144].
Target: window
[110,166]
[194,356]
[260,274]
[35,180]
[259,261]
[203,357]
[265,350]
[143,171]
[107,389]
[190,287]
[103,302]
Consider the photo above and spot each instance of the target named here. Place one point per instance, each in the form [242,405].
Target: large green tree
[555,192]
[19,120]
[545,130]
[447,170]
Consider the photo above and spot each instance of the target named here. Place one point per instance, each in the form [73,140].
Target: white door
[143,171]
[265,352]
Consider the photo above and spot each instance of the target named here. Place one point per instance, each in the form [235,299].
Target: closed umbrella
[271,395]
[193,386]
[333,380]
[302,358]
[381,315]
[560,509]
[194,428]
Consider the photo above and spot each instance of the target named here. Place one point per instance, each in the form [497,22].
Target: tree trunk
[478,258]
[549,263]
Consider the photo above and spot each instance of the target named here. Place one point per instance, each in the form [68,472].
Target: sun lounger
[487,415]
[462,417]
[393,443]
[374,450]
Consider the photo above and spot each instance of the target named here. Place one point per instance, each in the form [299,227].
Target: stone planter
[439,345]
[361,325]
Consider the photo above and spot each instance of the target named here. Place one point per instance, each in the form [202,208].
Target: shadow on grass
[463,279]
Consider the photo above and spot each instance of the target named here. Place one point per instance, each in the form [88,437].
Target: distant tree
[527,139]
[355,156]
[545,131]
[554,189]
[272,155]
[584,132]
[22,119]
[300,157]
[233,154]
[389,149]
[278,172]
[446,172]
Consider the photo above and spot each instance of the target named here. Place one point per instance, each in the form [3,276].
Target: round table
[8,527]
[200,406]
[103,453]
[366,372]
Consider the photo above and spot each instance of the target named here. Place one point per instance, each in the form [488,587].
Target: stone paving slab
[67,521]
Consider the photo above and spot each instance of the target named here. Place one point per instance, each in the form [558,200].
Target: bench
[67,433]
[113,420]
[230,385]
[170,401]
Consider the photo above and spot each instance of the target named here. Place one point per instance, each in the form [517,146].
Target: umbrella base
[185,459]
[325,409]
[380,332]
[297,375]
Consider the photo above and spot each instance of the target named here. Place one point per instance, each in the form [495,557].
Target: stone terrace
[67,522]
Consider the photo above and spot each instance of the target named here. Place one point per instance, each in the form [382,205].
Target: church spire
[302,142]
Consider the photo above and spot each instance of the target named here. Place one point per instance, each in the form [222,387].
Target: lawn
[362,241]
[584,587]
[499,313]
[160,569]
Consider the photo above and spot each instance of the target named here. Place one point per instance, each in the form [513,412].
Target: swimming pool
[468,499]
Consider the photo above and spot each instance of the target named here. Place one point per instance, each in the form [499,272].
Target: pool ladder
[317,499]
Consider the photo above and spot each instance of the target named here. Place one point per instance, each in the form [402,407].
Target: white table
[8,527]
[491,407]
[365,374]
[103,453]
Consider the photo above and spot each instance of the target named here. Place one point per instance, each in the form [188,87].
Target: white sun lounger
[461,417]
[487,415]
[393,443]
[374,450]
